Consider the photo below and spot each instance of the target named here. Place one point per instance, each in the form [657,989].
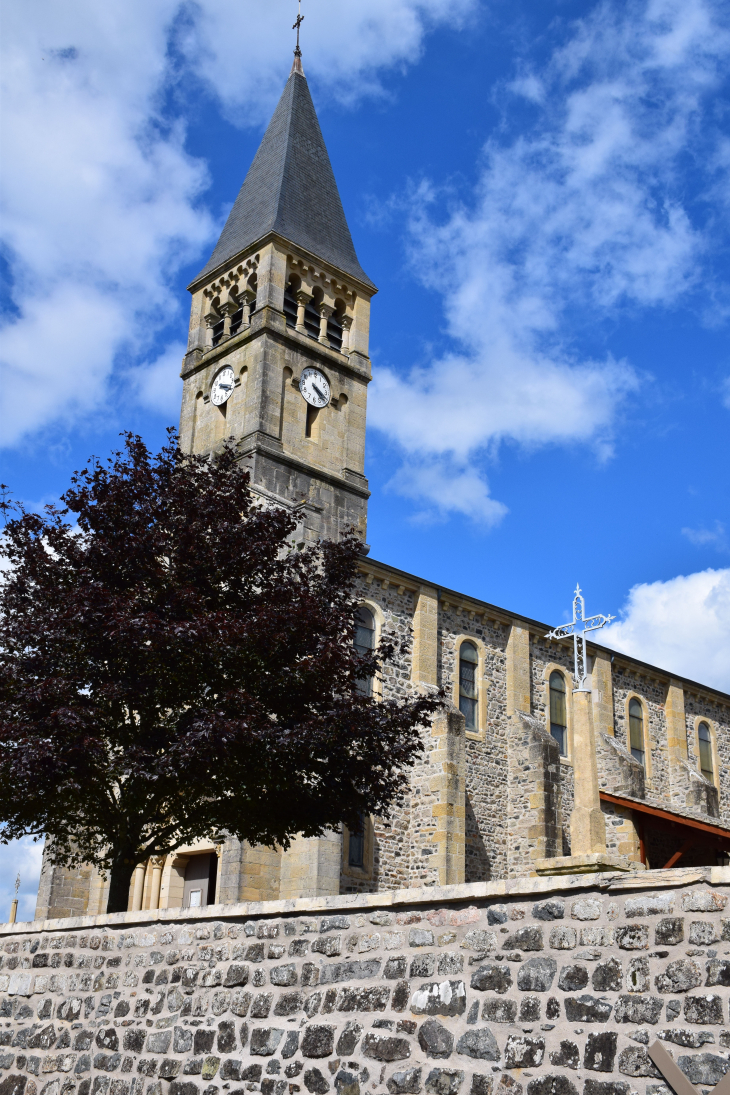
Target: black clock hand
[319,393]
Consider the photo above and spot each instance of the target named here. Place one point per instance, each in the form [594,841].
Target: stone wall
[485,989]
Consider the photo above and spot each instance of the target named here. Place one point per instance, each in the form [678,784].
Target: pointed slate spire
[290,189]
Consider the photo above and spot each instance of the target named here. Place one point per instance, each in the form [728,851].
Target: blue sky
[541,193]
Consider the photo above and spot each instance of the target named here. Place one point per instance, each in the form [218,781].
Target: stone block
[382,1048]
[348,1039]
[315,1082]
[669,931]
[407,1082]
[440,998]
[530,1009]
[703,933]
[318,1041]
[524,939]
[523,1051]
[633,937]
[264,1041]
[563,938]
[435,1040]
[635,1061]
[480,1044]
[600,1051]
[703,901]
[706,1009]
[289,1003]
[704,1068]
[236,975]
[537,974]
[683,1036]
[567,1056]
[679,976]
[639,1009]
[553,909]
[494,978]
[499,1011]
[442,1081]
[573,978]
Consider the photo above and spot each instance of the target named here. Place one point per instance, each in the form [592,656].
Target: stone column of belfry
[587,823]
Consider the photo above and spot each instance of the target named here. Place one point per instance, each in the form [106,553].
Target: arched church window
[636,730]
[468,697]
[334,328]
[704,738]
[237,320]
[290,301]
[311,315]
[365,643]
[218,329]
[558,711]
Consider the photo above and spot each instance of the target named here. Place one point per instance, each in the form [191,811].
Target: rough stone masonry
[524,987]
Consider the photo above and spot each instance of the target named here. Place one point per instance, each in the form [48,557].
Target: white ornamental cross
[578,627]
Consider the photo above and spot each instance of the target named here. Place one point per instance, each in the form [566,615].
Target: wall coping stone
[428,895]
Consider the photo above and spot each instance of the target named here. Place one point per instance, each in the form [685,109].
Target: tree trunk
[121,876]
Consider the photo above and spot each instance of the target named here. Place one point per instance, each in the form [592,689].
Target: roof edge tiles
[290,189]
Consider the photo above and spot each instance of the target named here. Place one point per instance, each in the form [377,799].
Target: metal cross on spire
[297,25]
[578,627]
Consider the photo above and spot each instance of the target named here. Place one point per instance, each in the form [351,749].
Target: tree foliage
[172,667]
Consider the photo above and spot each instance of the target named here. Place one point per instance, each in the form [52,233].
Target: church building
[533,768]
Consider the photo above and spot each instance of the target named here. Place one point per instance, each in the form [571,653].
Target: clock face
[222,386]
[315,387]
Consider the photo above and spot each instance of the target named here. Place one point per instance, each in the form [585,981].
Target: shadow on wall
[477,865]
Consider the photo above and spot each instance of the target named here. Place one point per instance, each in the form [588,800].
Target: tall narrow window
[290,303]
[356,845]
[468,699]
[365,643]
[218,331]
[705,740]
[636,730]
[311,319]
[559,712]
[334,331]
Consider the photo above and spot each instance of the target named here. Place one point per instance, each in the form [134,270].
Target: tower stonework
[282,292]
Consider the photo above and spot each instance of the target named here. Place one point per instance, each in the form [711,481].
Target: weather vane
[297,25]
[578,627]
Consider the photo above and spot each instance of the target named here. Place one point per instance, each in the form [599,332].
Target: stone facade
[535,986]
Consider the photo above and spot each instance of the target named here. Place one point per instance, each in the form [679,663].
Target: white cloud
[241,51]
[98,202]
[21,857]
[705,537]
[157,384]
[681,625]
[101,200]
[441,489]
[585,212]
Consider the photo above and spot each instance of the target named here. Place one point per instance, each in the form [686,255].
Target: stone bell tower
[278,347]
